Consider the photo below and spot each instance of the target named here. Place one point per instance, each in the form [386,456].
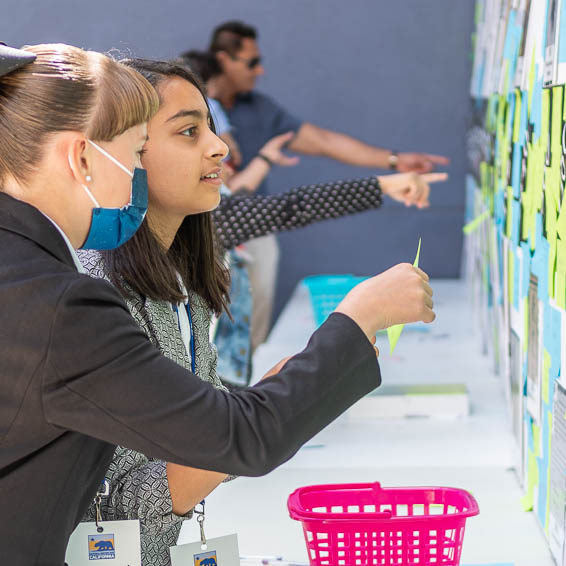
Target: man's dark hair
[228,36]
[202,63]
[143,264]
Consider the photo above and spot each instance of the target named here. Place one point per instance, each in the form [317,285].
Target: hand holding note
[410,188]
[394,332]
[399,295]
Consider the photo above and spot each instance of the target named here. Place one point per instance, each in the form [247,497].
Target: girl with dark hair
[78,375]
[172,277]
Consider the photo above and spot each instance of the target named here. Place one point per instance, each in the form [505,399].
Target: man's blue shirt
[255,119]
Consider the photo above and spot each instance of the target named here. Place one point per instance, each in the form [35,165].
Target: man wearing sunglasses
[255,119]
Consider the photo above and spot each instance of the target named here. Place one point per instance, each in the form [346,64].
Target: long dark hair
[144,264]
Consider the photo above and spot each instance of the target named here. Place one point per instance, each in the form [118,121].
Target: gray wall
[392,73]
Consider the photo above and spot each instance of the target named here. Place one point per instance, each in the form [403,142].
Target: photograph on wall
[516,387]
[561,45]
[524,9]
[557,495]
[534,43]
[533,351]
[551,47]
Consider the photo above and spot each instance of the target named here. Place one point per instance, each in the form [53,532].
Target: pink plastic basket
[365,524]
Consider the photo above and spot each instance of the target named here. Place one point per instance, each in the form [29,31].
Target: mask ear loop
[86,189]
[116,162]
[112,158]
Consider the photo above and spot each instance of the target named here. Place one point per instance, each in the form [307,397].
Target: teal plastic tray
[326,292]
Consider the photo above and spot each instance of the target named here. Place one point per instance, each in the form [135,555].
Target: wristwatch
[393,160]
[265,158]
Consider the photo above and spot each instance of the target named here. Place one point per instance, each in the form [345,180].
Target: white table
[475,453]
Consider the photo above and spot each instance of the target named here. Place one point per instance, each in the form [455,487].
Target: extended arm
[313,140]
[125,392]
[240,218]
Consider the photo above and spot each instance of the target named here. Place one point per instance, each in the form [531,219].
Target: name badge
[118,544]
[220,551]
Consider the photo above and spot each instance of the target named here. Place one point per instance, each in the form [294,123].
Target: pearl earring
[88,178]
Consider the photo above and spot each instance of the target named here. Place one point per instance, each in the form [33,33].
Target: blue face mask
[112,227]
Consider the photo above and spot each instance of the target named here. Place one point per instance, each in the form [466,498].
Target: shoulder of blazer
[27,221]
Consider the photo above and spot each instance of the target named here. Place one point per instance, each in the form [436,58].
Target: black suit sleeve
[103,378]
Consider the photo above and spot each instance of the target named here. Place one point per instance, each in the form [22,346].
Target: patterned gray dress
[138,484]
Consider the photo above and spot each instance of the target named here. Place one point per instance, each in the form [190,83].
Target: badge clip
[103,491]
[200,520]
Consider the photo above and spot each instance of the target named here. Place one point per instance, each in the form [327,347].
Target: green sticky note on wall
[517,117]
[509,219]
[394,332]
[474,224]
[556,127]
[527,501]
[545,119]
[560,277]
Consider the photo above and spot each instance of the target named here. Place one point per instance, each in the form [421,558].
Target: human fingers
[286,161]
[430,178]
[414,190]
[423,275]
[423,201]
[282,139]
[428,289]
[437,159]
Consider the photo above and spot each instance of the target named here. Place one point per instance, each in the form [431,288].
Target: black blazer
[78,376]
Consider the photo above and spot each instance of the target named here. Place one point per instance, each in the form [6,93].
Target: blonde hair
[66,88]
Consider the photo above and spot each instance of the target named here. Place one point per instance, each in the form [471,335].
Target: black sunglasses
[250,63]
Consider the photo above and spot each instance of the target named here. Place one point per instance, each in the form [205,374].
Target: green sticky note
[527,501]
[551,234]
[538,177]
[561,222]
[517,116]
[556,128]
[554,182]
[545,118]
[473,225]
[394,332]
[509,219]
[477,13]
[551,267]
[560,280]
[417,257]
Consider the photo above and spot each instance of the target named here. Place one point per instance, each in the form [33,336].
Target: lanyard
[200,520]
[103,491]
[192,337]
